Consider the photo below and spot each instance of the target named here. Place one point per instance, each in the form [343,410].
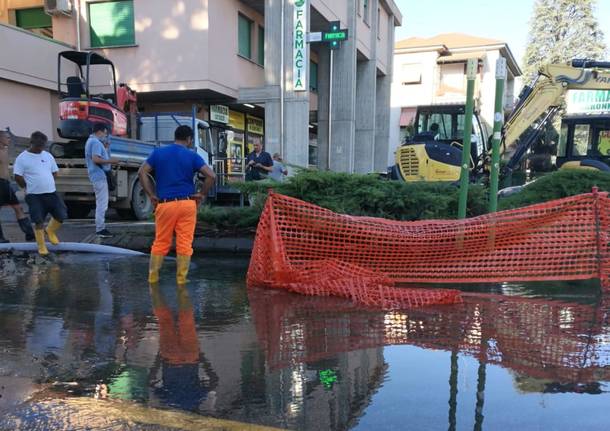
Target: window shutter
[32,18]
[313,76]
[261,46]
[112,23]
[244,36]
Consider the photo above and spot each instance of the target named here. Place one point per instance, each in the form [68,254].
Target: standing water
[86,343]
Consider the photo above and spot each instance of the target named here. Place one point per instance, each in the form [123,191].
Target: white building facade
[431,71]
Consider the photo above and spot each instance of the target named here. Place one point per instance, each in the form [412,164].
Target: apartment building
[225,59]
[429,71]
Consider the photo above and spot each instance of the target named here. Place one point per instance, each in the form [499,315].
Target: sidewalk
[132,235]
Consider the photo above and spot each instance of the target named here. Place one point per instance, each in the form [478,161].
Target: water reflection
[95,328]
[181,384]
[539,338]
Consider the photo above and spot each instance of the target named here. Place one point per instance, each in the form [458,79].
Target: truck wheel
[140,203]
[78,210]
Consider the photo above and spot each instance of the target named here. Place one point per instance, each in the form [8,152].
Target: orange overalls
[179,217]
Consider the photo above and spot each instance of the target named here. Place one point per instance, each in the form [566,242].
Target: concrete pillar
[323,93]
[382,123]
[272,74]
[296,104]
[366,95]
[344,99]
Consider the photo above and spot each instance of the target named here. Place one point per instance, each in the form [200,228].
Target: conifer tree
[561,30]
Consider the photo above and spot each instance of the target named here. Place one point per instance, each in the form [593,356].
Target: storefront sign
[237,120]
[588,102]
[219,113]
[255,125]
[300,59]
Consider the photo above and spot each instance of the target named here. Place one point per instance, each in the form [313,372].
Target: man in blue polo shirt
[175,200]
[258,164]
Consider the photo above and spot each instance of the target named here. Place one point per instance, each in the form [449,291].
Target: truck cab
[160,128]
[584,142]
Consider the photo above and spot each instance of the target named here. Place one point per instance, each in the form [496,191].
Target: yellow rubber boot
[182,268]
[42,247]
[52,229]
[154,266]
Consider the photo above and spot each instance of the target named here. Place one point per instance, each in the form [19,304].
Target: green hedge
[353,194]
[557,185]
[368,195]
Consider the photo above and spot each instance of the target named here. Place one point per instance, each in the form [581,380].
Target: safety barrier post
[497,135]
[471,74]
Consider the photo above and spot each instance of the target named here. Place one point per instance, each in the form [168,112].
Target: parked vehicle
[434,153]
[133,136]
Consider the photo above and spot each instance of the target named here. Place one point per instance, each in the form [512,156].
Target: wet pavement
[86,343]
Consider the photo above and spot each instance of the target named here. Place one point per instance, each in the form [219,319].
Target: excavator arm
[545,97]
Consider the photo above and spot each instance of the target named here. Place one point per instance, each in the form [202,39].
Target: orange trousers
[179,218]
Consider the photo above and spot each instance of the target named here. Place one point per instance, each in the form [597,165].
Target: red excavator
[81,105]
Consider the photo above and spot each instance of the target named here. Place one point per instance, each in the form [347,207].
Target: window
[563,141]
[365,11]
[581,140]
[261,46]
[444,126]
[358,7]
[244,29]
[35,20]
[379,23]
[603,143]
[313,76]
[411,73]
[111,23]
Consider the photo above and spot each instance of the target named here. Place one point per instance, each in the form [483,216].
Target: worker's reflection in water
[182,385]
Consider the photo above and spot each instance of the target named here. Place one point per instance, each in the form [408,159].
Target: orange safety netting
[307,249]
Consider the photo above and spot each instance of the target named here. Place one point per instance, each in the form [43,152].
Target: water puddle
[86,343]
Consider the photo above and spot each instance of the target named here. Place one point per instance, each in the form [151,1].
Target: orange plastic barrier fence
[307,249]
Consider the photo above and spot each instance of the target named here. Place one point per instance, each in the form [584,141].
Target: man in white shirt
[35,171]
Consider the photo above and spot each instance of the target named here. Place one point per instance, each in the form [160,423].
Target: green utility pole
[497,136]
[471,74]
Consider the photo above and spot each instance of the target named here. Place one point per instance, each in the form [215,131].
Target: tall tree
[561,30]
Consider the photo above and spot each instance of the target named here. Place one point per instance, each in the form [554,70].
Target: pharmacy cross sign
[333,37]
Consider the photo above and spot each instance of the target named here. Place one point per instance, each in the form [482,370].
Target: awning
[461,57]
[407,116]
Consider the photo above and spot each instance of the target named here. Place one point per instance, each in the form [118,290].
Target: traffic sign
[314,37]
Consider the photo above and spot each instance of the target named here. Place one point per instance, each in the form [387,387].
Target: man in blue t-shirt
[175,200]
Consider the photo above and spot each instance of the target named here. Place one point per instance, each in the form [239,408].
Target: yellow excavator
[434,153]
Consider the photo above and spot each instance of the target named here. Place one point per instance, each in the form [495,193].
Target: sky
[495,19]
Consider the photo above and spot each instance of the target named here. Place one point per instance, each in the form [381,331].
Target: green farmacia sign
[300,58]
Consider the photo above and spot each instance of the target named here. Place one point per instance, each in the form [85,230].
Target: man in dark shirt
[175,200]
[258,163]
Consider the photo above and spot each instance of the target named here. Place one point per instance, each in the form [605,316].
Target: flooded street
[86,343]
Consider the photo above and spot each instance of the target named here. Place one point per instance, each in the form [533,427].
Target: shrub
[557,185]
[368,195]
[354,194]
